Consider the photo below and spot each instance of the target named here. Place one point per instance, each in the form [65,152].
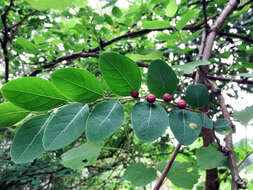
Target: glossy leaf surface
[105,119]
[180,124]
[32,93]
[161,78]
[197,95]
[77,84]
[66,126]
[11,114]
[149,121]
[27,144]
[120,73]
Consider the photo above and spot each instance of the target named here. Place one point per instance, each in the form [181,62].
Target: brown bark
[212,180]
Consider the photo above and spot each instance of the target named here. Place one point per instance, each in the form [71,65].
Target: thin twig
[5,40]
[167,168]
[20,22]
[237,182]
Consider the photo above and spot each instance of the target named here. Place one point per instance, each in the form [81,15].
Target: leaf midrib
[79,86]
[68,125]
[28,92]
[35,136]
[121,75]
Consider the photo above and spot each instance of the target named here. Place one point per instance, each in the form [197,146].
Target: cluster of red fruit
[166,97]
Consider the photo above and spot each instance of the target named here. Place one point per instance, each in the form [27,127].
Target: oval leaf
[180,124]
[77,84]
[104,120]
[74,158]
[171,8]
[11,114]
[205,153]
[139,175]
[206,121]
[27,143]
[182,174]
[66,126]
[156,24]
[244,116]
[120,73]
[149,121]
[222,126]
[188,68]
[197,95]
[116,12]
[161,78]
[33,93]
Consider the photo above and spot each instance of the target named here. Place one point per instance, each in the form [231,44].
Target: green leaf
[161,78]
[246,75]
[105,119]
[75,157]
[244,116]
[152,56]
[108,19]
[197,95]
[222,126]
[28,46]
[206,121]
[11,114]
[171,8]
[27,143]
[188,68]
[173,37]
[156,24]
[149,121]
[139,175]
[47,4]
[33,93]
[185,18]
[180,124]
[66,126]
[120,73]
[209,157]
[181,174]
[116,12]
[193,36]
[77,84]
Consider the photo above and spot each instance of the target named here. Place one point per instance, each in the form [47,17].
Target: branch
[225,79]
[237,182]
[204,12]
[4,41]
[143,32]
[245,38]
[167,168]
[191,27]
[64,58]
[22,20]
[244,4]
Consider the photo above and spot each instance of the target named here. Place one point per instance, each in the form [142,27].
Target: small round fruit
[181,104]
[167,97]
[135,93]
[150,98]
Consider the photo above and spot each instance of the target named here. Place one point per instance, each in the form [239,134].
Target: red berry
[167,97]
[135,93]
[181,104]
[150,98]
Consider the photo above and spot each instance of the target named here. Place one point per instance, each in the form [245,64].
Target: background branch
[167,168]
